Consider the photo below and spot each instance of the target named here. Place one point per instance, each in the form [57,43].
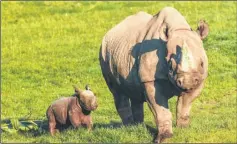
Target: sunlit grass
[49,46]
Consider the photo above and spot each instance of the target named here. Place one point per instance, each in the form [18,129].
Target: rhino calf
[74,110]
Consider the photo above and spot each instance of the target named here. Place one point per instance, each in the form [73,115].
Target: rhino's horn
[87,87]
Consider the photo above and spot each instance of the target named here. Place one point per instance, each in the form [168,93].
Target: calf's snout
[94,104]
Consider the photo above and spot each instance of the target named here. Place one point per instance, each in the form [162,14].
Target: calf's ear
[76,89]
[202,29]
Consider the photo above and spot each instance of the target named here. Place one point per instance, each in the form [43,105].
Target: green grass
[49,46]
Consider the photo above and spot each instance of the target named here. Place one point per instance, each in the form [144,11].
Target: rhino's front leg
[184,104]
[89,125]
[88,122]
[163,116]
[74,117]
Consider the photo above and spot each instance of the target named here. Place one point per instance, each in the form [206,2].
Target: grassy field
[49,46]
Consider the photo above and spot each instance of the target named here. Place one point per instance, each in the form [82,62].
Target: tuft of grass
[49,46]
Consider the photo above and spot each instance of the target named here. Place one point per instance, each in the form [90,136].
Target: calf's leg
[74,118]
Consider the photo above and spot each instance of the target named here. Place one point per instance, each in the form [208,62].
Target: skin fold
[150,59]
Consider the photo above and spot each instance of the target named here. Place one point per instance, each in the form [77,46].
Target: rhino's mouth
[172,77]
[87,106]
[83,105]
[188,83]
[182,89]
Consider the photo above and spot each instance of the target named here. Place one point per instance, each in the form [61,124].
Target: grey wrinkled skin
[74,110]
[150,59]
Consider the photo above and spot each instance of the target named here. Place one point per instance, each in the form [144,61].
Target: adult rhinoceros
[152,58]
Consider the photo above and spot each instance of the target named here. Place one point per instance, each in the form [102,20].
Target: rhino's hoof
[163,136]
[128,121]
[53,132]
[182,123]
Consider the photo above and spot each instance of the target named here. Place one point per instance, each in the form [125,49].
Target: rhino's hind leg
[51,122]
[162,115]
[137,111]
[122,103]
[123,108]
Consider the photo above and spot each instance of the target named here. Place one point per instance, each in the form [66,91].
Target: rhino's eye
[170,64]
[202,64]
[201,69]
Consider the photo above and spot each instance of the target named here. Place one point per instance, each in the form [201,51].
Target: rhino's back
[127,29]
[60,109]
[119,40]
[116,61]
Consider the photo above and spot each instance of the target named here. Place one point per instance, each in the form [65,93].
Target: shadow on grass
[153,131]
[42,127]
[24,126]
[112,125]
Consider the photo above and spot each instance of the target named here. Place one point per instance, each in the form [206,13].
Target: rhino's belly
[128,85]
[131,89]
[60,109]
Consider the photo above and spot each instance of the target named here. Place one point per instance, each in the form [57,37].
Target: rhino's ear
[164,32]
[202,29]
[77,90]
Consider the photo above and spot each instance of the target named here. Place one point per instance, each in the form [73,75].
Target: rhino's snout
[94,107]
[94,104]
[187,83]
